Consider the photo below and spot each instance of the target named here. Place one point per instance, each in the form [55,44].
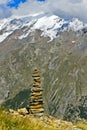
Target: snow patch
[76,24]
[49,25]
[4,36]
[23,36]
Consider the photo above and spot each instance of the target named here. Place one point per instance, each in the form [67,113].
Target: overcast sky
[63,8]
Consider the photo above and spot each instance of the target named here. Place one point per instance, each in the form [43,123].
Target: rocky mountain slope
[58,48]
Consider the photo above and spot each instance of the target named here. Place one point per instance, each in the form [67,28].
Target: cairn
[36,103]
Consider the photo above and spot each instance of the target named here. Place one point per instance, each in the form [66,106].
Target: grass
[16,122]
[82,124]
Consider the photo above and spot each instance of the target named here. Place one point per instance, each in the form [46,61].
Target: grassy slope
[16,122]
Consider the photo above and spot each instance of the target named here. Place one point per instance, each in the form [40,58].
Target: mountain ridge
[50,25]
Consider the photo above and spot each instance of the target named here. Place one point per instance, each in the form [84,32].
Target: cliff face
[63,66]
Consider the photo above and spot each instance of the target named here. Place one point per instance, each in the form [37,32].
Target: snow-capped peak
[50,25]
[76,24]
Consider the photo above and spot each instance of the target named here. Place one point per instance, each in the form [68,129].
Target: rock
[22,111]
[15,113]
[11,110]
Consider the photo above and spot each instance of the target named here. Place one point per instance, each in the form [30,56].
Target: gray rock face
[63,66]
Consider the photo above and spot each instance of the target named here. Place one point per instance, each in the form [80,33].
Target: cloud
[5,12]
[75,1]
[63,8]
[31,6]
[15,3]
[3,1]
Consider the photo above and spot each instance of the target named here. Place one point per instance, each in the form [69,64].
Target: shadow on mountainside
[73,113]
[22,99]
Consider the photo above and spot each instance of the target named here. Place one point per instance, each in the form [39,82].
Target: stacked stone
[36,104]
